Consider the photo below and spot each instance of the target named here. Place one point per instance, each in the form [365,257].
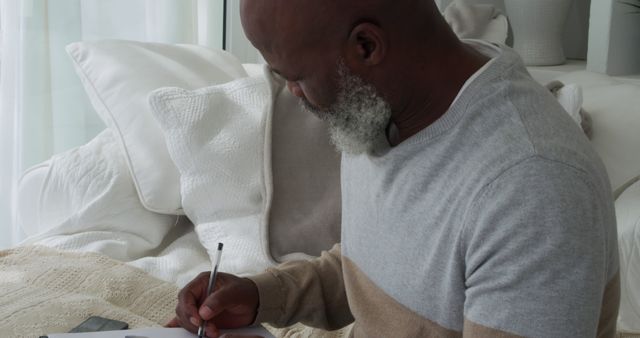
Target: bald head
[275,24]
[270,24]
[403,50]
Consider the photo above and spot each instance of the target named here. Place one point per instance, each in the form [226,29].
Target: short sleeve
[536,255]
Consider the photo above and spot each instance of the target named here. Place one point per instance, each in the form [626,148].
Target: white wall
[614,41]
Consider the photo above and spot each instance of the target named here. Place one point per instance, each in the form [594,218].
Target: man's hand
[232,304]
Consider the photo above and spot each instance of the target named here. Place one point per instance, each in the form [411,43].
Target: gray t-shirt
[495,221]
[500,213]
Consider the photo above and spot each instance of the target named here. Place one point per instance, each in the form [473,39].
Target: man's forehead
[283,64]
[260,20]
[271,24]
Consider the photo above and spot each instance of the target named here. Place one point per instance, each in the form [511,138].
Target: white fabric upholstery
[570,98]
[613,108]
[304,219]
[220,140]
[477,21]
[87,202]
[306,210]
[87,191]
[305,214]
[119,75]
[29,189]
[628,217]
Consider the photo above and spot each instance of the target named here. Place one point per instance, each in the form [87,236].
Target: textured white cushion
[220,139]
[119,75]
[306,210]
[628,217]
[30,187]
[613,108]
[87,202]
[305,213]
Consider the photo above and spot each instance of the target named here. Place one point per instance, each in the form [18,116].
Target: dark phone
[95,323]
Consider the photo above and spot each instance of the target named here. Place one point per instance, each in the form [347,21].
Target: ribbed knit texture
[44,290]
[219,139]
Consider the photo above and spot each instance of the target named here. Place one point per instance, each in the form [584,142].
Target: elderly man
[472,204]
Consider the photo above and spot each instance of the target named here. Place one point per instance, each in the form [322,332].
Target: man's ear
[367,44]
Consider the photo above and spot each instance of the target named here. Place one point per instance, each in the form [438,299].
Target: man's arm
[541,255]
[311,292]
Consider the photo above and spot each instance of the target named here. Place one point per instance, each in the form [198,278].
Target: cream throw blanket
[44,290]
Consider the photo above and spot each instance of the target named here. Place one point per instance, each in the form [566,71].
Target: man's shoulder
[512,118]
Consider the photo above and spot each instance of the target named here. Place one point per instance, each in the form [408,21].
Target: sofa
[292,163]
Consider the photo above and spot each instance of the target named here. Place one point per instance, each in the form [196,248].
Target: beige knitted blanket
[44,290]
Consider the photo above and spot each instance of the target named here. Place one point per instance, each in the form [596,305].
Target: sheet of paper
[159,333]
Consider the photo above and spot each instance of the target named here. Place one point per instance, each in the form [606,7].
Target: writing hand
[232,304]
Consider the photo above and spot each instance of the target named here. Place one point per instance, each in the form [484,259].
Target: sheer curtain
[43,108]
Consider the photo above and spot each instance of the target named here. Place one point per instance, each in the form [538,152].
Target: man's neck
[434,91]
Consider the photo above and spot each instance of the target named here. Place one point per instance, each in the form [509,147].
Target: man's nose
[295,89]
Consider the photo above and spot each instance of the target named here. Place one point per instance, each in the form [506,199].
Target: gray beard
[359,117]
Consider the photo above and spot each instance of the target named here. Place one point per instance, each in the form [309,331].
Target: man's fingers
[212,306]
[220,300]
[190,316]
[212,330]
[187,310]
[173,323]
[188,326]
[230,305]
[187,307]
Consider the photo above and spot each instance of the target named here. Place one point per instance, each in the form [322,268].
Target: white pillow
[628,217]
[305,214]
[118,77]
[87,202]
[613,108]
[29,188]
[220,140]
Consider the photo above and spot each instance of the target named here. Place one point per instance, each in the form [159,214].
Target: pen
[212,282]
